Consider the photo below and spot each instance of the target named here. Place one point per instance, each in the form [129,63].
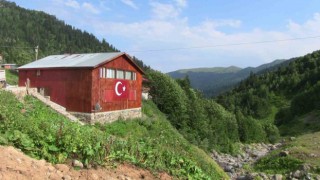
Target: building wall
[70,88]
[81,89]
[103,87]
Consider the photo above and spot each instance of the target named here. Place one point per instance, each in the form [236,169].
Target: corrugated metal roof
[72,60]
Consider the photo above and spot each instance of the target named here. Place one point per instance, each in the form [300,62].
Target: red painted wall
[80,89]
[71,88]
[102,87]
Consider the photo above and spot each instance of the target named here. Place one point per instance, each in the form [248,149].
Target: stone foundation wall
[108,117]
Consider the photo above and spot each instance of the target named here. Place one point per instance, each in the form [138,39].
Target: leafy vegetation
[151,142]
[277,164]
[12,77]
[203,122]
[304,149]
[280,96]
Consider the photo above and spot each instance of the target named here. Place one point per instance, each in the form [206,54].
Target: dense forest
[203,121]
[282,96]
[22,30]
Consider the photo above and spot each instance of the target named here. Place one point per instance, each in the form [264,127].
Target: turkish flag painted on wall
[121,89]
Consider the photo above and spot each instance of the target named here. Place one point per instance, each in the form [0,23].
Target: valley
[201,123]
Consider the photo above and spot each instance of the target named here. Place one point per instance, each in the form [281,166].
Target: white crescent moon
[116,88]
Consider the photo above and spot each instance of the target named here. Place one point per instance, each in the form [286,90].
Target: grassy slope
[307,123]
[304,149]
[307,148]
[12,77]
[150,142]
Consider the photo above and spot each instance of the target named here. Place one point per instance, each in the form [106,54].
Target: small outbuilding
[95,87]
[8,66]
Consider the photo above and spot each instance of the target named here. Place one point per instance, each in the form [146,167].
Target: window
[101,72]
[134,76]
[111,73]
[38,72]
[128,75]
[104,72]
[120,74]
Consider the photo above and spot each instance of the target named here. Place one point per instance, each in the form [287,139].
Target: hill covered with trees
[216,80]
[22,30]
[203,121]
[284,96]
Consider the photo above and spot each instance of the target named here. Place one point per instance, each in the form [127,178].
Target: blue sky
[178,34]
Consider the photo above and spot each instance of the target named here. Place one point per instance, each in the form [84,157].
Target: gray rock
[76,163]
[242,178]
[228,169]
[263,176]
[305,167]
[277,177]
[308,176]
[297,174]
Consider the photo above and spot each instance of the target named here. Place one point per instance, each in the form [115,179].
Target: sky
[180,34]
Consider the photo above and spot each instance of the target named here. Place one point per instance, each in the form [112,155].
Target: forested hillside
[216,80]
[284,95]
[203,121]
[21,30]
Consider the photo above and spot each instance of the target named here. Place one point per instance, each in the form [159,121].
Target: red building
[88,85]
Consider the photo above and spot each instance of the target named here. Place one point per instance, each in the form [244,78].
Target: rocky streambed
[237,166]
[234,165]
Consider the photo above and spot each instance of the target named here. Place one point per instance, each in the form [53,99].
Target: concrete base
[108,117]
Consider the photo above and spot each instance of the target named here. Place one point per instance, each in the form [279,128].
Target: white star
[124,88]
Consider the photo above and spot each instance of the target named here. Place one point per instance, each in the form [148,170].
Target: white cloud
[72,3]
[164,11]
[59,6]
[170,31]
[166,28]
[181,3]
[311,27]
[90,8]
[130,3]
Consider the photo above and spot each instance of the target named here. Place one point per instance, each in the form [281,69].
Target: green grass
[304,149]
[274,164]
[150,142]
[307,148]
[12,77]
[304,124]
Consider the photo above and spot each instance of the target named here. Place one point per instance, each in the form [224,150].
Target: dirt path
[16,165]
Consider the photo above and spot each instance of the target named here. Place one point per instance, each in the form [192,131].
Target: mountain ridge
[216,80]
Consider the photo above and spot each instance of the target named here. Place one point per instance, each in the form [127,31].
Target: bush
[277,165]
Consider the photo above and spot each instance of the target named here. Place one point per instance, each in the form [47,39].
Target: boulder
[76,163]
[297,174]
[277,177]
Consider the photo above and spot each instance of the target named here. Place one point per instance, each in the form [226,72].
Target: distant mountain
[214,81]
[218,70]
